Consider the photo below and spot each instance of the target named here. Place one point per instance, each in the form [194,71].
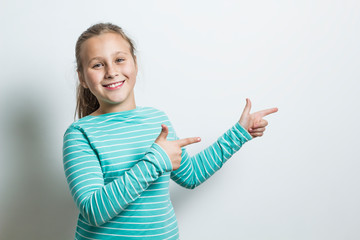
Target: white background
[199,60]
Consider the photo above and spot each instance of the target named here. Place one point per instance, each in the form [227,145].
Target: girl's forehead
[105,43]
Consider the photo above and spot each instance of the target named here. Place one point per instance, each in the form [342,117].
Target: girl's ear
[81,79]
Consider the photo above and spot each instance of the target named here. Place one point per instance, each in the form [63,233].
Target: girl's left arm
[196,169]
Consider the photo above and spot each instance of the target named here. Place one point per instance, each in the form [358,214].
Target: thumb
[164,132]
[247,108]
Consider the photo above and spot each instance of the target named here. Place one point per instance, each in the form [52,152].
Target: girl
[119,157]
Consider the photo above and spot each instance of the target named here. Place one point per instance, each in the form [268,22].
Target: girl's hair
[86,102]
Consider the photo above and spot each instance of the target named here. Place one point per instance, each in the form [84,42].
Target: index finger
[266,112]
[187,141]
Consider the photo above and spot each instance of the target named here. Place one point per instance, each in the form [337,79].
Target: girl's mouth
[114,85]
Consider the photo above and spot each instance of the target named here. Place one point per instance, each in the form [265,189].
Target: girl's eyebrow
[115,53]
[120,52]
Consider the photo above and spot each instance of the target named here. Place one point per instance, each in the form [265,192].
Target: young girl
[119,157]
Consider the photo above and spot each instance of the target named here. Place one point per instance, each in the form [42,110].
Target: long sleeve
[97,202]
[196,169]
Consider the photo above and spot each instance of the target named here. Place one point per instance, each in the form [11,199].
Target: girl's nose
[111,72]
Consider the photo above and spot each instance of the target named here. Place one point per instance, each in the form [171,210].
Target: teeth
[115,84]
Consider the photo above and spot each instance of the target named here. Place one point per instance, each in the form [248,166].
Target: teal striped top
[119,177]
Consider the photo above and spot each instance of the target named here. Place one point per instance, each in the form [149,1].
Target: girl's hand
[173,148]
[254,123]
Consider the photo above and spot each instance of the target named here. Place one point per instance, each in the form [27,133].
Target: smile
[114,85]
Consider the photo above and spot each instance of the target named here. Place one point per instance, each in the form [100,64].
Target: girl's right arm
[97,202]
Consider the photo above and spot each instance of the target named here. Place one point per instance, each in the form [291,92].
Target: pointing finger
[187,141]
[266,112]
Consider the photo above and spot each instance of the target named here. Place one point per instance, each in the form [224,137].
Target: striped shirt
[119,177]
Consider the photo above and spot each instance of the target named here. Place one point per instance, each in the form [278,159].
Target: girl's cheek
[129,71]
[96,74]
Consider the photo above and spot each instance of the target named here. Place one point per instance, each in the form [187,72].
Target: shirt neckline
[121,113]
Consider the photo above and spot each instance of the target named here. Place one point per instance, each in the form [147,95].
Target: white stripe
[188,167]
[76,165]
[79,170]
[228,145]
[122,179]
[153,135]
[142,216]
[117,185]
[133,173]
[76,133]
[213,160]
[213,171]
[75,145]
[98,126]
[145,203]
[146,210]
[152,179]
[102,200]
[127,143]
[108,198]
[72,159]
[124,133]
[89,179]
[88,173]
[217,155]
[136,229]
[123,150]
[111,186]
[119,159]
[129,119]
[167,181]
[97,205]
[133,229]
[161,158]
[239,131]
[199,168]
[73,139]
[137,165]
[144,222]
[120,235]
[232,140]
[87,186]
[94,215]
[154,196]
[108,118]
[172,236]
[127,176]
[153,162]
[157,189]
[86,237]
[196,176]
[81,150]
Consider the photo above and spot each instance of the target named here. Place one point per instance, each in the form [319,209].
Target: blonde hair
[86,102]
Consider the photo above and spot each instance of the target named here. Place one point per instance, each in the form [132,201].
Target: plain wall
[198,60]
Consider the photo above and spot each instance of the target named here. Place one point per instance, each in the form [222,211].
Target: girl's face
[109,71]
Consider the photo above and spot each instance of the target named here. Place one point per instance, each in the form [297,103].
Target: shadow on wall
[37,203]
[35,200]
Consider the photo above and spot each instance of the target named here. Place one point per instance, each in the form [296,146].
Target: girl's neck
[114,108]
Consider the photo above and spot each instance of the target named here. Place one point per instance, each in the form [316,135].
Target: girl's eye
[120,60]
[97,65]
